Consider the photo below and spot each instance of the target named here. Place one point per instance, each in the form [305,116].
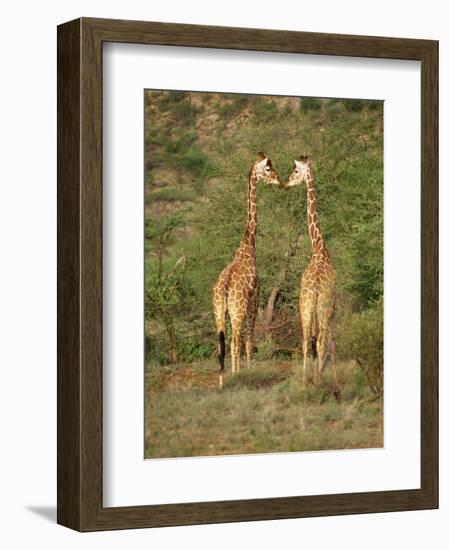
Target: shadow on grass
[256,377]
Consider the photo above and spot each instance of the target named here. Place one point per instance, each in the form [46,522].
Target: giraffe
[237,288]
[317,292]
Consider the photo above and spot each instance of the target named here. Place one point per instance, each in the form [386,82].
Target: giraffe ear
[264,162]
[297,163]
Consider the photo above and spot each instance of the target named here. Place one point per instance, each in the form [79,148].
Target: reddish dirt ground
[188,377]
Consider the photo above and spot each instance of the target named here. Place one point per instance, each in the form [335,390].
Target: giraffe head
[302,172]
[263,171]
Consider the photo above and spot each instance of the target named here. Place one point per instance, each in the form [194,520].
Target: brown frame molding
[80,274]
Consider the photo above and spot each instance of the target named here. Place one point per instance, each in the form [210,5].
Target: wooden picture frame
[80,504]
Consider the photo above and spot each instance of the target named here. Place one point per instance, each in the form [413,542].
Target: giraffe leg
[314,340]
[235,345]
[241,342]
[307,306]
[306,329]
[324,316]
[237,306]
[331,349]
[326,348]
[324,342]
[321,348]
[250,324]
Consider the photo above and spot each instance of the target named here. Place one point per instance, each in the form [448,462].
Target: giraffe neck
[315,234]
[251,219]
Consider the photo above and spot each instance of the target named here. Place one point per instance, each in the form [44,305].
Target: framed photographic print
[247,274]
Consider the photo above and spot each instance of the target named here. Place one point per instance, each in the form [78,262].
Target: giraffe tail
[221,357]
[314,352]
[222,352]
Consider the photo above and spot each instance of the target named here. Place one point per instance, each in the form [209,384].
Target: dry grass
[263,409]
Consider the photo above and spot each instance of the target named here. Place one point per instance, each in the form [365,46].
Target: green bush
[231,106]
[375,104]
[309,394]
[192,159]
[310,104]
[170,194]
[266,348]
[361,338]
[184,111]
[264,111]
[153,354]
[354,105]
[191,351]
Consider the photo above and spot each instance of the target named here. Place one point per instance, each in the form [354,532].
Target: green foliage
[264,110]
[230,106]
[164,287]
[367,284]
[177,103]
[179,150]
[374,105]
[160,232]
[192,159]
[266,348]
[361,338]
[191,350]
[354,105]
[170,194]
[310,104]
[184,110]
[153,354]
